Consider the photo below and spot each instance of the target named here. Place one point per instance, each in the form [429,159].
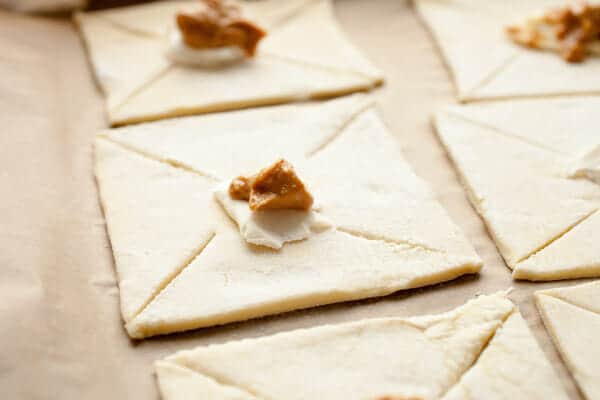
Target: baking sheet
[61,334]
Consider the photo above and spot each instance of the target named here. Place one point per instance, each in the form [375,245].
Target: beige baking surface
[61,331]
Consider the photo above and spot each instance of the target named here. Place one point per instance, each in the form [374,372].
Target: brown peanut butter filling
[219,24]
[573,28]
[275,187]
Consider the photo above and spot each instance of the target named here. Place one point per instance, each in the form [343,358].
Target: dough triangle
[369,359]
[569,131]
[465,29]
[406,210]
[185,91]
[153,20]
[141,58]
[240,142]
[158,218]
[512,366]
[574,255]
[586,296]
[575,332]
[177,382]
[515,186]
[330,267]
[314,37]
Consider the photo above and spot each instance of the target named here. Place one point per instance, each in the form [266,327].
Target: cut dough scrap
[420,357]
[374,250]
[158,218]
[177,382]
[574,255]
[512,366]
[330,267]
[243,142]
[517,187]
[323,63]
[270,228]
[572,317]
[465,29]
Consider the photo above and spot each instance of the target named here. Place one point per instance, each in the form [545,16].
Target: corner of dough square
[304,55]
[531,168]
[485,64]
[481,350]
[181,260]
[572,317]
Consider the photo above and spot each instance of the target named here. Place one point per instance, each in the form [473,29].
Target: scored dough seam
[172,276]
[327,68]
[217,381]
[555,238]
[550,294]
[502,321]
[142,86]
[493,74]
[494,130]
[339,131]
[170,162]
[378,238]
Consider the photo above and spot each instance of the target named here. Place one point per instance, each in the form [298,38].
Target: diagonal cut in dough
[572,317]
[483,347]
[512,160]
[387,232]
[466,29]
[305,55]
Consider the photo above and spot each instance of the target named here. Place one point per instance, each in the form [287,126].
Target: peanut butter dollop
[275,187]
[219,24]
[567,30]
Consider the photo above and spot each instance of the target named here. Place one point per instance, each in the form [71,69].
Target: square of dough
[304,55]
[182,262]
[572,317]
[481,350]
[486,64]
[513,159]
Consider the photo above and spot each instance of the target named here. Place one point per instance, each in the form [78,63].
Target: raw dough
[483,347]
[572,317]
[511,157]
[485,63]
[304,55]
[391,233]
[587,165]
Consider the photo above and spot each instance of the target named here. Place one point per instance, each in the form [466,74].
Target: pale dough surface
[482,347]
[512,158]
[465,30]
[304,55]
[181,258]
[572,317]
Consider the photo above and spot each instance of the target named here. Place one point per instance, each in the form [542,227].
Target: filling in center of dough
[572,31]
[272,207]
[214,34]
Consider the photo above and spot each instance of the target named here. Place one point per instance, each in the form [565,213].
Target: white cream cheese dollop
[180,53]
[270,228]
[587,165]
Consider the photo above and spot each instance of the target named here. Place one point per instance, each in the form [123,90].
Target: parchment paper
[61,334]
